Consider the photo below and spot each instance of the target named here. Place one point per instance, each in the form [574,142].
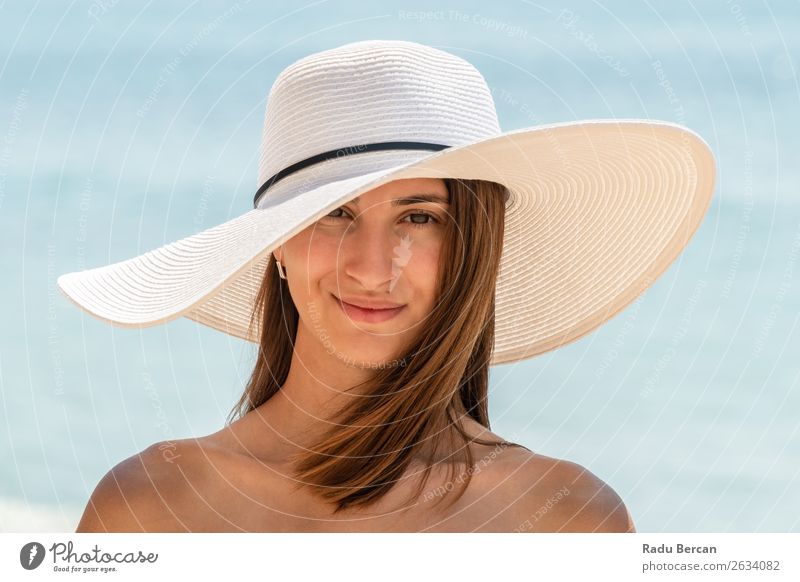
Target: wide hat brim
[598,211]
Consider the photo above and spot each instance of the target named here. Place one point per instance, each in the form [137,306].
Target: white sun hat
[597,210]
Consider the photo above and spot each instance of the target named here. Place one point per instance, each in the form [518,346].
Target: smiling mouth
[365,314]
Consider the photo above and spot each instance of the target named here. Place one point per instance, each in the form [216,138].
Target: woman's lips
[368,315]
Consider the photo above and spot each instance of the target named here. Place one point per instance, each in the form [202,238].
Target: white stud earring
[281,272]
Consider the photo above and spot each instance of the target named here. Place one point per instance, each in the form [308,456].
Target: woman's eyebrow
[414,199]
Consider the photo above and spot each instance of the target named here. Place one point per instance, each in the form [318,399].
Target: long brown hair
[444,376]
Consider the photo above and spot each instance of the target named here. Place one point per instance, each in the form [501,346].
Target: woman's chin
[365,360]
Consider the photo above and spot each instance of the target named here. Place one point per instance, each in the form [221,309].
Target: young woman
[379,282]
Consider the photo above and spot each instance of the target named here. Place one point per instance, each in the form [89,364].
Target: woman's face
[379,250]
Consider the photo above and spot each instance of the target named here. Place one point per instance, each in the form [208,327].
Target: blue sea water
[124,126]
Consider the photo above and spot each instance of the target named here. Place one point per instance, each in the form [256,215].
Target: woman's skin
[239,478]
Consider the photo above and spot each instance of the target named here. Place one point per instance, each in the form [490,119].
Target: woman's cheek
[423,264]
[312,248]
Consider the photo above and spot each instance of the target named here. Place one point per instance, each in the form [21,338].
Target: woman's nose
[367,253]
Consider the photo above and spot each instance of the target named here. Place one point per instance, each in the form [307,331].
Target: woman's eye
[331,214]
[422,219]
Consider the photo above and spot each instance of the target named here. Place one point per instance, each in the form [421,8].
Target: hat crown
[368,92]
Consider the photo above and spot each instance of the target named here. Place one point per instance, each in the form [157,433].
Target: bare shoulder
[144,492]
[554,495]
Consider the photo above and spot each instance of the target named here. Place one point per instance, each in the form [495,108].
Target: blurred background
[125,126]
